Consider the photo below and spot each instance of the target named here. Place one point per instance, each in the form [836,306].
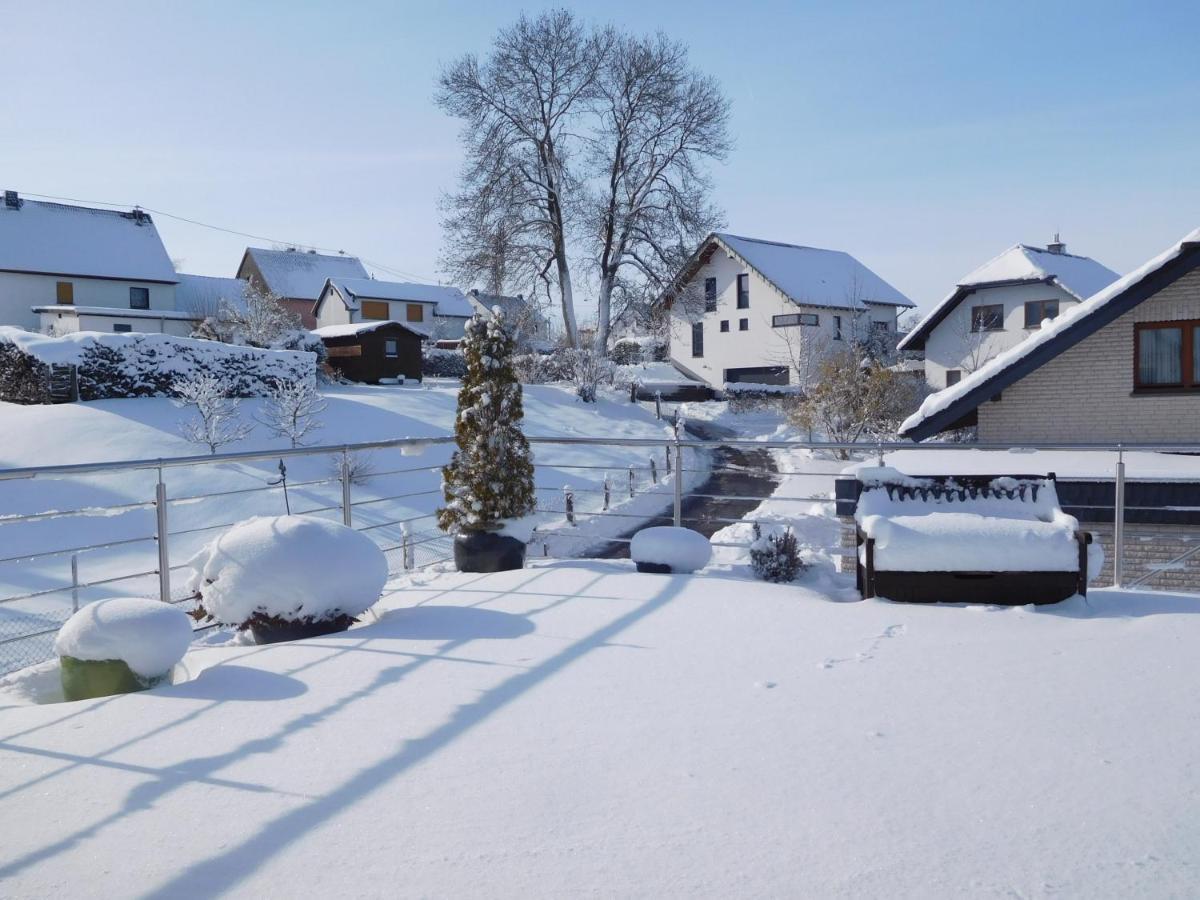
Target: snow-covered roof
[353,328]
[301,275]
[1079,276]
[450,300]
[942,409]
[811,276]
[513,308]
[202,294]
[58,239]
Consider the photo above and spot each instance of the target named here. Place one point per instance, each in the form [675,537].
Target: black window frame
[793,320]
[122,328]
[724,326]
[743,291]
[978,312]
[1040,307]
[837,328]
[144,295]
[698,340]
[743,324]
[710,295]
[953,377]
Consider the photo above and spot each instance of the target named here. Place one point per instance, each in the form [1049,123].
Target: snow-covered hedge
[544,368]
[438,363]
[748,397]
[145,365]
[288,568]
[631,351]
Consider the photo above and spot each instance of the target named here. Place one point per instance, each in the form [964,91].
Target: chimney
[1056,246]
[11,200]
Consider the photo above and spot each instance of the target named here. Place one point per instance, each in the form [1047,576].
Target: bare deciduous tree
[509,222]
[259,320]
[658,122]
[291,411]
[218,421]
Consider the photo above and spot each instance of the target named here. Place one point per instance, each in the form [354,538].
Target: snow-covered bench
[973,539]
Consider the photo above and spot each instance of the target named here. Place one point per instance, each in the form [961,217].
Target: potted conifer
[488,484]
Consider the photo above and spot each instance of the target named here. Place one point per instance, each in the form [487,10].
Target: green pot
[83,679]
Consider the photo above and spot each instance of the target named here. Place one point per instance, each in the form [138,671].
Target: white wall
[762,344]
[333,311]
[952,344]
[20,292]
[67,321]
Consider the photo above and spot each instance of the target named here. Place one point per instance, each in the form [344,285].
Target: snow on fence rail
[582,505]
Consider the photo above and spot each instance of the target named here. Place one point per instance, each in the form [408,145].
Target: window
[415,312]
[122,329]
[953,377]
[837,328]
[743,324]
[375,310]
[1036,310]
[1166,356]
[987,318]
[697,339]
[724,325]
[743,285]
[710,295]
[139,298]
[65,292]
[879,326]
[391,347]
[790,319]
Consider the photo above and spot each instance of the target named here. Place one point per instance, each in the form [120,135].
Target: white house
[297,277]
[1000,304]
[750,310]
[74,268]
[437,311]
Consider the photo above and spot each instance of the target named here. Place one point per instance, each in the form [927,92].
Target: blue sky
[924,138]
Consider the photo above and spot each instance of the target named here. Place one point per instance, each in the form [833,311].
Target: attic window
[987,318]
[374,310]
[710,295]
[414,312]
[64,292]
[1165,355]
[1037,310]
[743,291]
[790,319]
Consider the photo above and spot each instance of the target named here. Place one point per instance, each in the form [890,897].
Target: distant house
[439,312]
[297,276]
[373,351]
[524,318]
[999,304]
[1122,366]
[742,308]
[202,295]
[74,268]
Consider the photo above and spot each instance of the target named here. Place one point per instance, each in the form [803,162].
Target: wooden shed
[371,351]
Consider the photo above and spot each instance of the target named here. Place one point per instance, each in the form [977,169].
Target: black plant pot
[487,551]
[277,631]
[655,568]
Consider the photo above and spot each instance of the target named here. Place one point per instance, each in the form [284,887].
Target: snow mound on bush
[147,635]
[293,567]
[682,549]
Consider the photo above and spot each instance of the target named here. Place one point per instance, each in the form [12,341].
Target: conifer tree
[490,477]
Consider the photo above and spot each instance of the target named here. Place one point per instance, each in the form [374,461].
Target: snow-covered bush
[544,368]
[287,569]
[149,636]
[776,556]
[438,363]
[745,397]
[589,370]
[676,549]
[260,320]
[291,411]
[150,365]
[626,353]
[490,478]
[23,378]
[217,420]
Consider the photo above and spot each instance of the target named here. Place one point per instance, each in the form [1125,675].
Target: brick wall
[1085,393]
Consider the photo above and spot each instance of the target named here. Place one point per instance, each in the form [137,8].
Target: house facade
[1121,367]
[523,317]
[998,305]
[74,268]
[297,276]
[438,312]
[749,310]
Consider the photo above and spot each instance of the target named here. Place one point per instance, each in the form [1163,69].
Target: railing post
[569,503]
[75,582]
[162,535]
[631,477]
[667,458]
[1119,522]
[653,470]
[658,405]
[678,482]
[607,491]
[347,516]
[407,547]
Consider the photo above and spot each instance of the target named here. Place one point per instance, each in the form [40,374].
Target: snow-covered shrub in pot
[286,577]
[775,556]
[120,645]
[488,484]
[666,549]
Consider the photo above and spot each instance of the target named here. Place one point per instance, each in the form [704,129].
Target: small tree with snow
[291,410]
[776,557]
[490,477]
[260,320]
[218,420]
[589,369]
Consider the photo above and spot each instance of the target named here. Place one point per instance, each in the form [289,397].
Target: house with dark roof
[203,295]
[524,319]
[297,276]
[75,268]
[1122,366]
[750,310]
[439,312]
[998,305]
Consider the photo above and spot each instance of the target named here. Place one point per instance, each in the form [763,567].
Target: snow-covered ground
[579,729]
